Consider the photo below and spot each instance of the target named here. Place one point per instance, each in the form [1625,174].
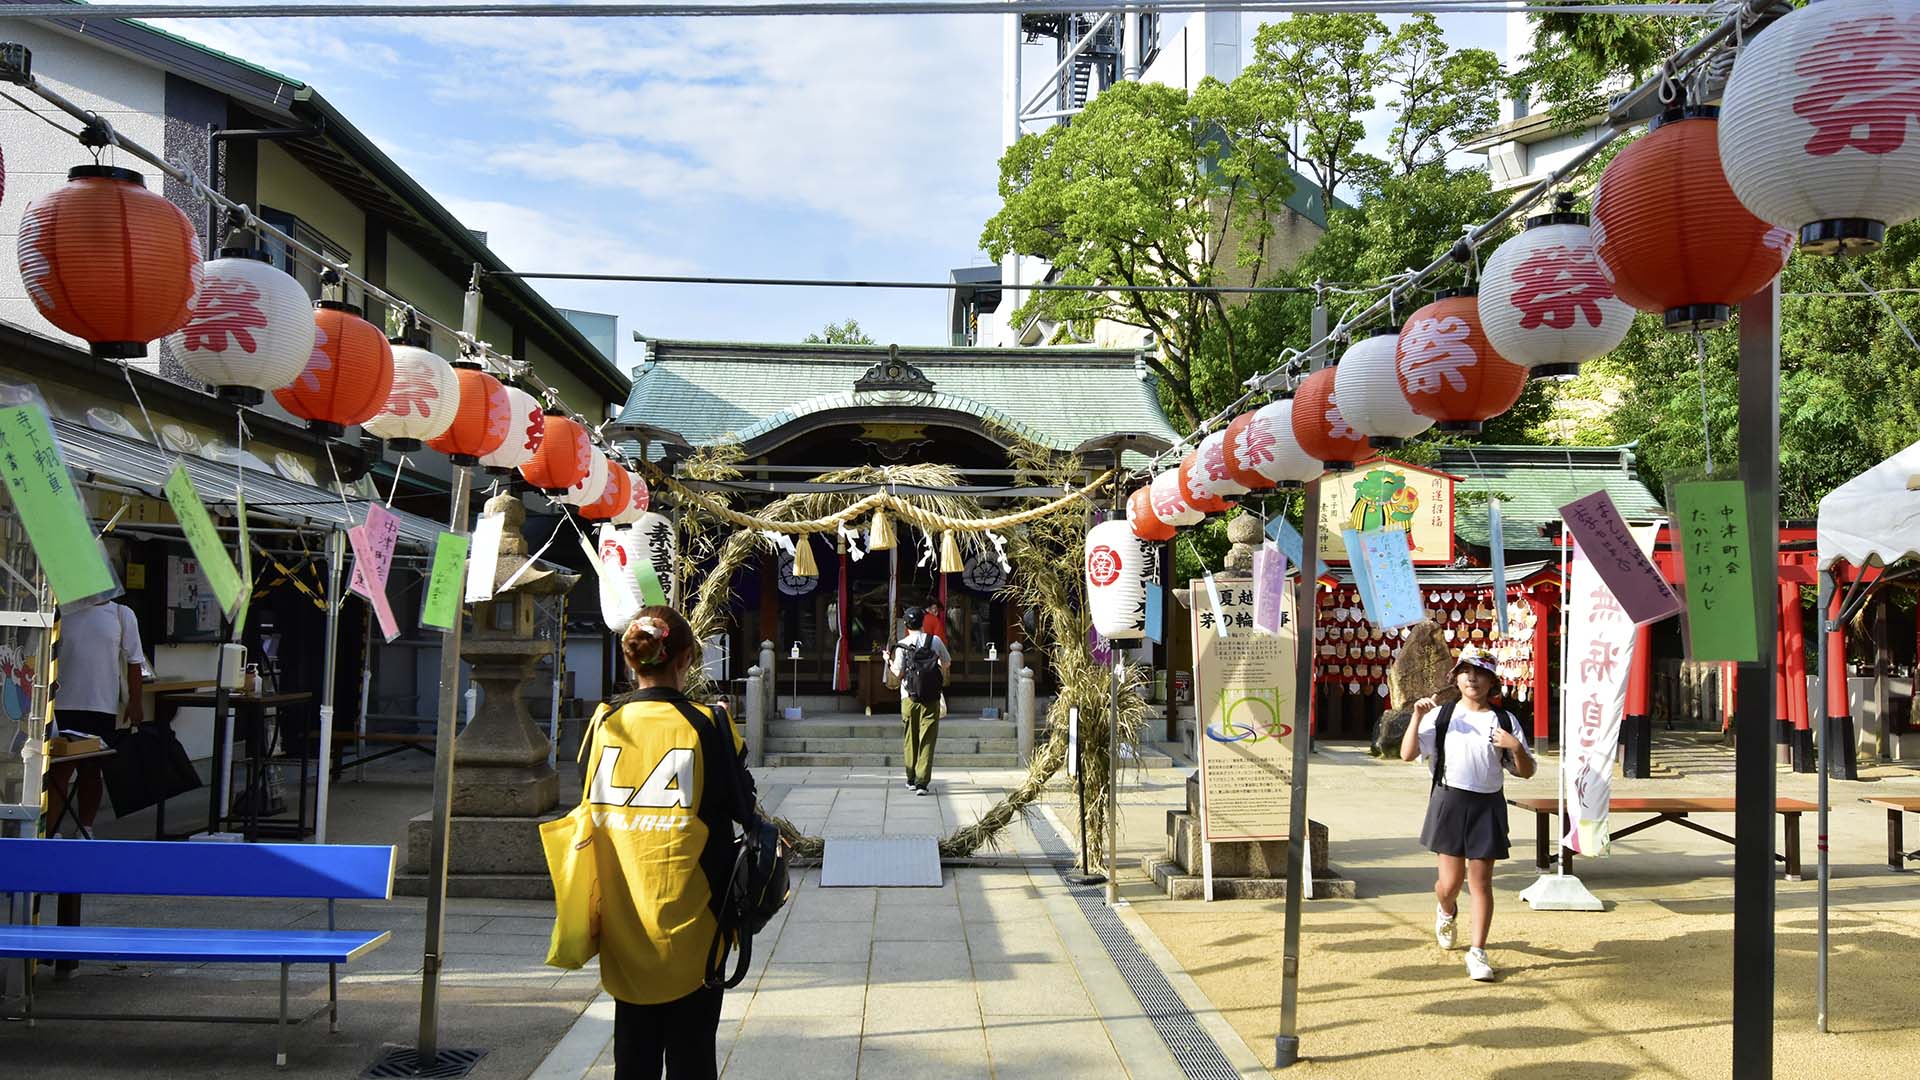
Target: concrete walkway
[998,973]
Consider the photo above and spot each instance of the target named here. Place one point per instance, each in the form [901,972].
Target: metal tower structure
[1092,52]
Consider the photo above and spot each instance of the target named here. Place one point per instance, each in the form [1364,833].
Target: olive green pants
[923,730]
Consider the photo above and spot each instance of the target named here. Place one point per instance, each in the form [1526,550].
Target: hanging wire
[1888,308]
[1706,423]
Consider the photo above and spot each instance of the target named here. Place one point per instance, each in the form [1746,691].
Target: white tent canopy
[1874,517]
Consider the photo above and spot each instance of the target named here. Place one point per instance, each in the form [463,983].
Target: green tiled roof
[711,392]
[1533,482]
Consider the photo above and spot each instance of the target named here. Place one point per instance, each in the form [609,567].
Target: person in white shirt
[99,648]
[919,663]
[1466,825]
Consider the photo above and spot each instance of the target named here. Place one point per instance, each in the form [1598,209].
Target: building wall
[285,184]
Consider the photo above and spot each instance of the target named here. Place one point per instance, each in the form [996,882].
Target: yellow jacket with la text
[663,817]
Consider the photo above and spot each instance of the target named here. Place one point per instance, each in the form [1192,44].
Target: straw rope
[903,506]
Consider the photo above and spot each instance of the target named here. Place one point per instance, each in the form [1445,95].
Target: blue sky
[773,147]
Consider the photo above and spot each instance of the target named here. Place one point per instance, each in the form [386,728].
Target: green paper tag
[447,583]
[651,593]
[1710,519]
[50,506]
[204,539]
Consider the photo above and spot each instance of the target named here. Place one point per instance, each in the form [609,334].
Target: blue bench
[149,868]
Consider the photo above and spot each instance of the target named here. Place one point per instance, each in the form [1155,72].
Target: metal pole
[1286,1044]
[1755,730]
[1113,725]
[1825,748]
[366,694]
[1131,47]
[336,554]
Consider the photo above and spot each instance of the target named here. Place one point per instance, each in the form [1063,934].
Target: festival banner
[1631,577]
[1244,701]
[1599,653]
[50,507]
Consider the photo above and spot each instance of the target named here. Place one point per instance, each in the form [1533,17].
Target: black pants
[679,1032]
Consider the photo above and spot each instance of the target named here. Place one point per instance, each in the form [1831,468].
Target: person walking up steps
[1470,741]
[920,663]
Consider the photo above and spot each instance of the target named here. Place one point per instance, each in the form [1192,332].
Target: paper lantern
[1448,370]
[1204,477]
[481,422]
[1366,385]
[1545,302]
[109,261]
[592,484]
[619,590]
[1267,446]
[1242,456]
[1140,515]
[1170,503]
[1117,581]
[252,328]
[347,376]
[564,456]
[422,403]
[654,541]
[638,499]
[617,496]
[526,428]
[1816,123]
[1671,235]
[1319,426]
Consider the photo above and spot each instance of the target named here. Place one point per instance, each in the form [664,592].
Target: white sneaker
[1443,927]
[1477,967]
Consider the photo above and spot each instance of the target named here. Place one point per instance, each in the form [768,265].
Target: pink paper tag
[1269,587]
[380,534]
[1635,582]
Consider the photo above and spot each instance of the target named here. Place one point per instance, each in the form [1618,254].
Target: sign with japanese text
[1390,578]
[1388,495]
[1710,517]
[382,532]
[1269,587]
[1282,532]
[1597,526]
[204,539]
[364,555]
[50,507]
[446,583]
[1244,705]
[1600,637]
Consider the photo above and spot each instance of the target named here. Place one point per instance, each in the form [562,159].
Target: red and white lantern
[1545,301]
[423,402]
[1242,455]
[592,484]
[348,375]
[1170,503]
[1321,428]
[619,590]
[252,328]
[481,423]
[1267,446]
[1449,371]
[1204,477]
[653,539]
[1366,385]
[638,499]
[616,498]
[564,455]
[526,427]
[1117,566]
[1140,515]
[1817,124]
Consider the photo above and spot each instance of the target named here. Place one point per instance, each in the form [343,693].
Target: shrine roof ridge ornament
[893,374]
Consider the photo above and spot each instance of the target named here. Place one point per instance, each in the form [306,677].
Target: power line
[832,283]
[705,9]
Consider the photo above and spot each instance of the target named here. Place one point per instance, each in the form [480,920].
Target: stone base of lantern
[497,857]
[1249,871]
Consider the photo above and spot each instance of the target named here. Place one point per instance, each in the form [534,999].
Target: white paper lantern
[1170,503]
[652,538]
[1366,387]
[1117,564]
[1818,127]
[523,437]
[423,402]
[1211,478]
[636,504]
[619,589]
[252,328]
[591,486]
[1545,300]
[1271,449]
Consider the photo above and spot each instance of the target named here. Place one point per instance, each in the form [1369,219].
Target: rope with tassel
[880,502]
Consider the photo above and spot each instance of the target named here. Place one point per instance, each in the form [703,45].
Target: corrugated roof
[1533,482]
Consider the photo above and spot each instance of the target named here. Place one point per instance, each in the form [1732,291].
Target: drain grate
[1195,1051]
[403,1063]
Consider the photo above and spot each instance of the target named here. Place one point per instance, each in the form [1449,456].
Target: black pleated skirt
[1466,824]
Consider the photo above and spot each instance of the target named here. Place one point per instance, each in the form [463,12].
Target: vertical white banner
[1599,654]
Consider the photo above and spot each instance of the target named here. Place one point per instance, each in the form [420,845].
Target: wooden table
[1675,810]
[1897,805]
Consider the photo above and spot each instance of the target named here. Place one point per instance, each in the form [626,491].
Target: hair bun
[645,641]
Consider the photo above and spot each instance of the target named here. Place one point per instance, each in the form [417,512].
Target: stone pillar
[756,718]
[1016,663]
[1024,723]
[769,680]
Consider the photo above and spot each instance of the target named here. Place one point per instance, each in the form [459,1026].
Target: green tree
[1320,72]
[840,333]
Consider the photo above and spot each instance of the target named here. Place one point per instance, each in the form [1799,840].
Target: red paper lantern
[1146,524]
[637,501]
[1205,478]
[481,423]
[1320,429]
[1670,233]
[1449,371]
[348,377]
[1241,457]
[564,456]
[617,497]
[107,260]
[526,427]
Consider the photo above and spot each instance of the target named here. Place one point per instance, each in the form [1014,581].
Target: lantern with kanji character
[526,426]
[1321,428]
[107,260]
[638,499]
[1242,455]
[1117,565]
[481,423]
[422,403]
[1367,387]
[1545,303]
[563,457]
[1267,446]
[347,376]
[252,328]
[1146,524]
[1449,371]
[619,591]
[1670,233]
[617,496]
[1170,503]
[1204,477]
[654,541]
[591,484]
[1817,123]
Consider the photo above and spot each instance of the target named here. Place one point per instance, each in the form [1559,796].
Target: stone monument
[503,787]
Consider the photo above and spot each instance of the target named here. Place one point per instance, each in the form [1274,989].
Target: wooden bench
[151,868]
[1897,805]
[1675,810]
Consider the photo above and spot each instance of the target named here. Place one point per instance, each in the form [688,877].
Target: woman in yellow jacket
[664,811]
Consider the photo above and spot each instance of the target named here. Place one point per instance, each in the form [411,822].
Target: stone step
[948,744]
[893,760]
[885,727]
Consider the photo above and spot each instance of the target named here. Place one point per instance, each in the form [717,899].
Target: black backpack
[759,884]
[921,675]
[1500,716]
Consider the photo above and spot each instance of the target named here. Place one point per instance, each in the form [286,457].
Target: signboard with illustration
[1245,711]
[1384,494]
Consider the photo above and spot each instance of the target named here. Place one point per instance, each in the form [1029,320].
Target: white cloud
[535,239]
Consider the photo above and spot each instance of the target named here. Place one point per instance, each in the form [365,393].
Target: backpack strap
[1440,744]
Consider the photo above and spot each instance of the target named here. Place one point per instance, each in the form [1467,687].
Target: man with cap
[919,663]
[1471,742]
